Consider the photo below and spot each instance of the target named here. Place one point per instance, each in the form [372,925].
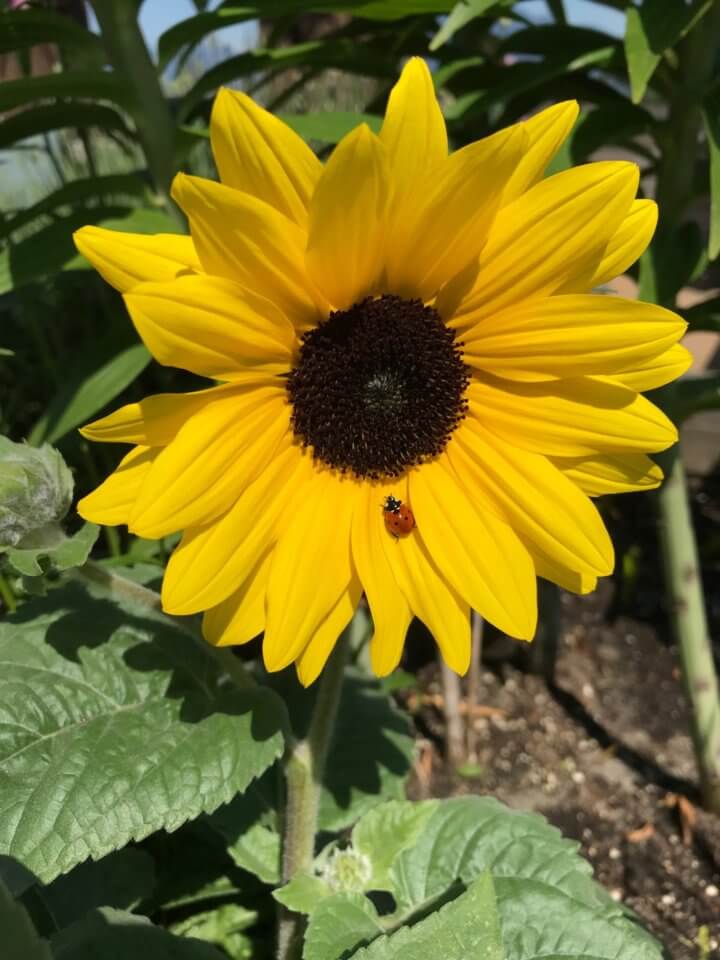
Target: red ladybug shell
[399,518]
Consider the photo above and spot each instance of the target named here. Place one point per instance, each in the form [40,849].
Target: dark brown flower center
[378,388]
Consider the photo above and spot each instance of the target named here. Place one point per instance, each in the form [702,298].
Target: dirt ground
[604,752]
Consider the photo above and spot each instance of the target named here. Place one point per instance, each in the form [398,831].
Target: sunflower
[416,395]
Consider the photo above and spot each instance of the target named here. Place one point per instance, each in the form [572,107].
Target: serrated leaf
[538,921]
[248,825]
[121,880]
[19,937]
[652,29]
[61,553]
[115,724]
[468,927]
[338,924]
[115,935]
[302,893]
[224,926]
[467,835]
[383,833]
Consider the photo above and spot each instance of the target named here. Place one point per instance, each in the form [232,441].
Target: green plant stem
[304,767]
[6,595]
[129,56]
[696,59]
[682,570]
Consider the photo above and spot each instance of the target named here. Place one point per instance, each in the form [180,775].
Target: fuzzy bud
[36,489]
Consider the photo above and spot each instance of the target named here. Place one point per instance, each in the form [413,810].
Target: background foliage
[122,738]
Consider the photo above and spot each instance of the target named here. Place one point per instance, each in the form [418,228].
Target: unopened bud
[36,490]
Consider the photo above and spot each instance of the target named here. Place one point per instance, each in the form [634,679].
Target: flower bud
[36,490]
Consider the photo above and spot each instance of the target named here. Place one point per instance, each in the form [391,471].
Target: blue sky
[157,15]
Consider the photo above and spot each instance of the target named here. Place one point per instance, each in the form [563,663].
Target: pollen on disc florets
[378,388]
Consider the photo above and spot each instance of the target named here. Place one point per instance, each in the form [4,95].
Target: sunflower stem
[304,768]
[697,54]
[682,571]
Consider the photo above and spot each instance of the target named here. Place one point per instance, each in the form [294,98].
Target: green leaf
[331,126]
[386,831]
[692,395]
[78,115]
[303,893]
[673,259]
[51,249]
[338,924]
[189,32]
[538,921]
[20,940]
[652,29]
[22,29]
[712,130]
[248,824]
[704,316]
[59,551]
[76,193]
[224,926]
[115,724]
[467,927]
[337,53]
[115,935]
[121,879]
[461,14]
[87,389]
[94,84]
[467,835]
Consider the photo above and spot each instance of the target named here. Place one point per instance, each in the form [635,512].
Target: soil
[603,751]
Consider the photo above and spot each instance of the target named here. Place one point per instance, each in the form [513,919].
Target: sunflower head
[414,393]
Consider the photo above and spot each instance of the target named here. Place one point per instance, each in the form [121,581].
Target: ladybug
[399,518]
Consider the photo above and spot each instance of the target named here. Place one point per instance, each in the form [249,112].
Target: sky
[157,15]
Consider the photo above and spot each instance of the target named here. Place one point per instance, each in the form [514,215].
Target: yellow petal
[656,372]
[112,502]
[611,473]
[430,595]
[568,579]
[315,655]
[153,421]
[570,335]
[215,455]
[241,616]
[414,134]
[311,568]
[211,326]
[628,242]
[259,154]
[550,236]
[348,215]
[126,259]
[546,132]
[211,562]
[390,610]
[244,239]
[542,505]
[480,555]
[570,418]
[448,226]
